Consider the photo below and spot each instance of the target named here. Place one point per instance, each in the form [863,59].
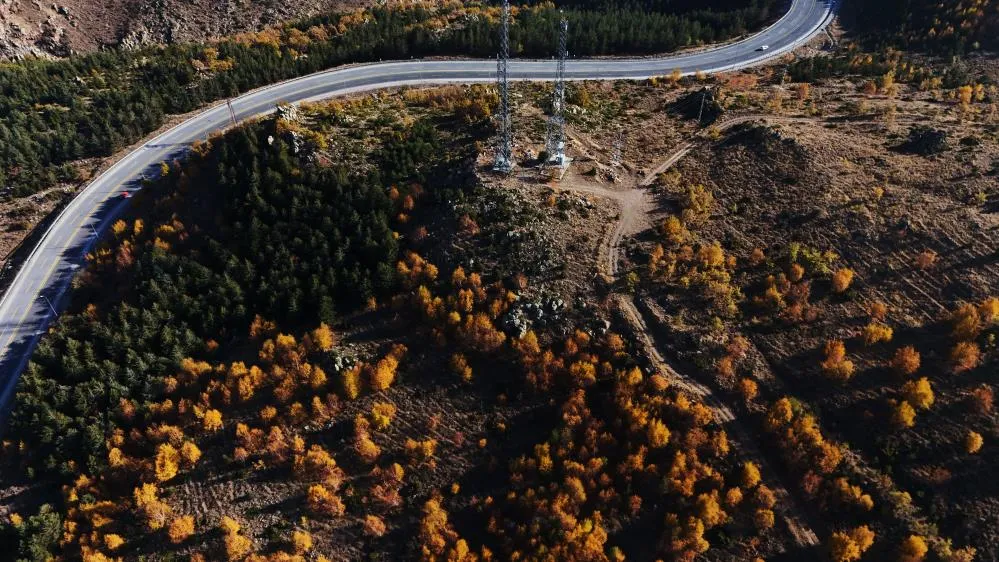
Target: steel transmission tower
[555,138]
[504,144]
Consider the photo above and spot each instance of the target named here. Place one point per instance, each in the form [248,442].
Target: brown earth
[46,29]
[811,172]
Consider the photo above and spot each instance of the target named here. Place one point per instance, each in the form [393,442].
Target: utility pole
[504,144]
[232,113]
[555,139]
[52,308]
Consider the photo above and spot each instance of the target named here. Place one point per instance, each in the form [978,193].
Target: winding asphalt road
[37,292]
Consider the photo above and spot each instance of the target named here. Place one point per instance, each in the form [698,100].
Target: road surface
[39,288]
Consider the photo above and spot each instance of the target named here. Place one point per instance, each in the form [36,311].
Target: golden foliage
[913,549]
[153,510]
[973,442]
[658,434]
[373,526]
[876,332]
[709,510]
[236,544]
[167,462]
[383,374]
[750,475]
[842,279]
[301,541]
[318,464]
[189,454]
[919,393]
[366,449]
[835,365]
[763,519]
[212,421]
[351,380]
[989,310]
[847,546]
[180,528]
[906,361]
[322,501]
[323,338]
[903,415]
[748,389]
[966,322]
[420,451]
[113,541]
[965,356]
[459,364]
[382,414]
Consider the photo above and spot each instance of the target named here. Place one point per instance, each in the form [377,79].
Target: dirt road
[637,206]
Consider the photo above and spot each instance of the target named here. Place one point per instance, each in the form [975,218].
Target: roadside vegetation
[55,113]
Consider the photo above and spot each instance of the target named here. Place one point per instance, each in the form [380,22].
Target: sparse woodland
[796,268]
[219,357]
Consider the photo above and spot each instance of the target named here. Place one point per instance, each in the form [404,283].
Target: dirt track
[637,207]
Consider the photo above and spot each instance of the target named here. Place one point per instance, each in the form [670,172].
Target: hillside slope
[57,29]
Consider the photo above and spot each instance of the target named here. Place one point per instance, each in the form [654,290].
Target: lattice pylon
[555,137]
[504,143]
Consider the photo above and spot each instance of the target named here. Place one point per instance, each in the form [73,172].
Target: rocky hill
[34,28]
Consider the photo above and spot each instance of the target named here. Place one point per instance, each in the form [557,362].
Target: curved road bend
[37,292]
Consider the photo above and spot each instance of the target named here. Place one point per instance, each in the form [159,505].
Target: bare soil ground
[812,172]
[40,28]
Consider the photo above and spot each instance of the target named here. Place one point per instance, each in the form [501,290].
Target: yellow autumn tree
[189,454]
[903,415]
[847,546]
[322,501]
[913,549]
[113,541]
[965,356]
[212,421]
[301,541]
[383,373]
[382,414]
[876,332]
[153,510]
[180,528]
[836,366]
[323,338]
[351,380]
[906,361]
[750,475]
[373,526]
[919,393]
[459,364]
[658,434]
[973,442]
[842,279]
[237,545]
[167,462]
